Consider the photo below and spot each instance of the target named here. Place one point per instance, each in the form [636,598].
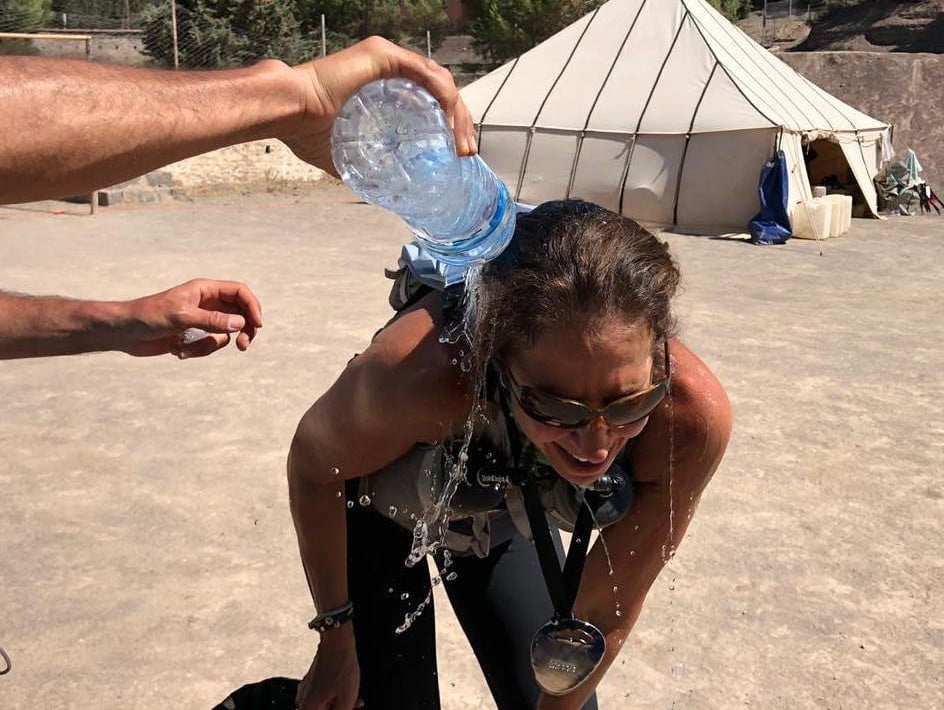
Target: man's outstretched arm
[40,326]
[68,127]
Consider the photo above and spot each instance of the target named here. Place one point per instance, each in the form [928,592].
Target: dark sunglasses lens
[550,410]
[565,653]
[632,410]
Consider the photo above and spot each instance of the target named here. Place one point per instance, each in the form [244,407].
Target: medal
[565,653]
[566,650]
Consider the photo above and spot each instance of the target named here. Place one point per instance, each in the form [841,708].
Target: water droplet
[404,596]
[577,540]
[455,361]
[350,504]
[338,494]
[615,590]
[451,576]
[671,587]
[389,590]
[364,500]
[392,510]
[619,613]
[437,580]
[632,553]
[335,471]
[635,528]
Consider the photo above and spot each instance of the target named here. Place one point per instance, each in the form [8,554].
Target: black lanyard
[562,586]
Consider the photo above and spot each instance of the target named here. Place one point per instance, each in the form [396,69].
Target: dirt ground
[148,554]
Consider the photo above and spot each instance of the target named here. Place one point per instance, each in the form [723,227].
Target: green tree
[222,33]
[22,15]
[204,38]
[733,9]
[269,30]
[503,29]
[346,21]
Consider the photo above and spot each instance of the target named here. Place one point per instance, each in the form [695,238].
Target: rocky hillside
[880,26]
[906,90]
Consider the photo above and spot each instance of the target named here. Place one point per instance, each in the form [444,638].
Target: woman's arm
[642,542]
[402,390]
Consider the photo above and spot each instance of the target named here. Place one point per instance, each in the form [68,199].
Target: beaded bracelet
[332,618]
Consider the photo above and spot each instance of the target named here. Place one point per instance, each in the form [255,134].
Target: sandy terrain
[148,555]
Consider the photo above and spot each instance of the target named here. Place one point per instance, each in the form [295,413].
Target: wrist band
[332,618]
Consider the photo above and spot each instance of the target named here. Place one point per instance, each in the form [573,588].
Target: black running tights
[500,602]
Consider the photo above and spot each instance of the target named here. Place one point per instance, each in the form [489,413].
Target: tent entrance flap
[827,166]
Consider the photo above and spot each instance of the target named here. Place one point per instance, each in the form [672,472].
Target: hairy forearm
[42,326]
[68,127]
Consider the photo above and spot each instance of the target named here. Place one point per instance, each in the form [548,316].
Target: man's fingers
[244,339]
[202,348]
[385,60]
[440,84]
[464,129]
[213,321]
[214,293]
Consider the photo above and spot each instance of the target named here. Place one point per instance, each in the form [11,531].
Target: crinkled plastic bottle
[392,144]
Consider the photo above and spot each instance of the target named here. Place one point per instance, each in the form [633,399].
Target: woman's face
[594,369]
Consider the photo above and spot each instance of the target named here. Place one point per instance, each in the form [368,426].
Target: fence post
[429,46]
[173,32]
[763,25]
[324,39]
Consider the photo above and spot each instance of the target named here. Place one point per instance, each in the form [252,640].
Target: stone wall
[906,90]
[268,161]
[116,48]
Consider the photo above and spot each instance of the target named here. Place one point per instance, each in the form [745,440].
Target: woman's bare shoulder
[695,421]
[407,366]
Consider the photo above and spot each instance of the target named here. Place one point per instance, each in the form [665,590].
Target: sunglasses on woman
[570,414]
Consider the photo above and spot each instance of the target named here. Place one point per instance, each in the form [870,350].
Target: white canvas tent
[661,110]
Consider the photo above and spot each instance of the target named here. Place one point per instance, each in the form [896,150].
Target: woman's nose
[593,440]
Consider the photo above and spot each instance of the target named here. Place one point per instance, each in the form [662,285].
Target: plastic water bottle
[391,144]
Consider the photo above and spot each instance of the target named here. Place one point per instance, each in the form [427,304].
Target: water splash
[412,616]
[606,551]
[430,527]
[668,547]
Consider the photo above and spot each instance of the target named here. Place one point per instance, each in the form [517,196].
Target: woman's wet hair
[577,265]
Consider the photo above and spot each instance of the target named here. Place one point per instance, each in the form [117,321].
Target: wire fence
[174,34]
[780,20]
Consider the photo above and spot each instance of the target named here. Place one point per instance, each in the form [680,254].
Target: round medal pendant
[564,653]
